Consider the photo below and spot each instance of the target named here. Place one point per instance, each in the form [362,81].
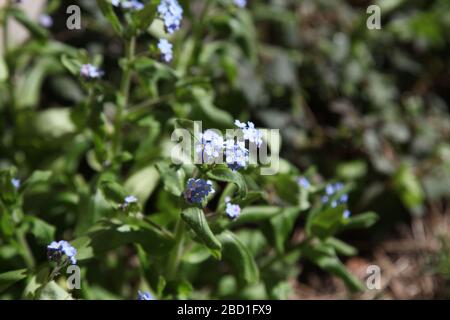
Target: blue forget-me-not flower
[165,48]
[56,250]
[240,3]
[172,13]
[16,183]
[197,190]
[209,147]
[145,295]
[232,210]
[88,71]
[128,4]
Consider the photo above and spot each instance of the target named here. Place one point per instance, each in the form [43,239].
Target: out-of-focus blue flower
[172,13]
[250,132]
[347,214]
[130,200]
[45,20]
[145,295]
[16,183]
[88,71]
[303,182]
[233,210]
[165,48]
[56,250]
[209,147]
[330,190]
[236,154]
[128,4]
[240,3]
[197,190]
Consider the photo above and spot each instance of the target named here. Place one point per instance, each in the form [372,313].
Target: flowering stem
[122,103]
[175,256]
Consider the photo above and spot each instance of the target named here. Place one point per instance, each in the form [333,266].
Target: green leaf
[52,291]
[409,188]
[352,170]
[341,247]
[172,177]
[44,232]
[227,175]
[362,221]
[146,16]
[71,64]
[257,214]
[195,218]
[37,177]
[33,27]
[4,72]
[282,225]
[54,123]
[110,234]
[9,278]
[108,11]
[29,87]
[113,191]
[324,256]
[326,222]
[142,183]
[239,257]
[206,109]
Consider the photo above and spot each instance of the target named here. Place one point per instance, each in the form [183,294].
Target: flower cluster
[172,13]
[250,132]
[56,250]
[236,154]
[209,147]
[330,190]
[145,296]
[165,48]
[128,4]
[232,210]
[88,71]
[197,190]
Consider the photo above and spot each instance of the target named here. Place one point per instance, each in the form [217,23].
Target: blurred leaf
[363,220]
[239,257]
[173,178]
[409,188]
[326,222]
[7,279]
[111,234]
[108,12]
[282,226]
[4,72]
[142,183]
[322,256]
[43,231]
[52,291]
[195,218]
[227,175]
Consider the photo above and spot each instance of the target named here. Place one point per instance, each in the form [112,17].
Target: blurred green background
[370,106]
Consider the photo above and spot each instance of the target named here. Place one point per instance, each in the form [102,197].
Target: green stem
[123,99]
[26,251]
[175,256]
